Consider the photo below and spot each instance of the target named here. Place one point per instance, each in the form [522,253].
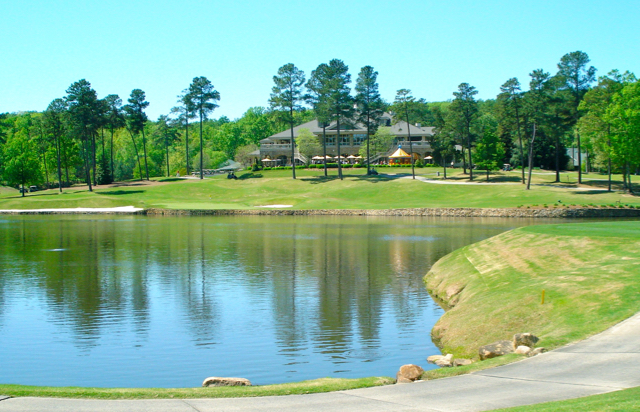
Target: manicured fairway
[313,191]
[625,400]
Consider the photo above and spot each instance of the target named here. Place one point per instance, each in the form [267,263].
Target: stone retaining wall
[444,212]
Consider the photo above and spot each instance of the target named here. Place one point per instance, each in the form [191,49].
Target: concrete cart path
[604,363]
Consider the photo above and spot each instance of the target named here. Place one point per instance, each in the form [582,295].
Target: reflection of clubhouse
[352,136]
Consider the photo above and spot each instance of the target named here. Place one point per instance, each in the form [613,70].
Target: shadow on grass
[373,179]
[126,184]
[120,192]
[250,175]
[319,179]
[498,178]
[170,179]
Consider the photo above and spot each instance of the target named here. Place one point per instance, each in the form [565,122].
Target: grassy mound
[590,273]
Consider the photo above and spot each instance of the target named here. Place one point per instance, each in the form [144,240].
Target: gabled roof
[399,153]
[399,129]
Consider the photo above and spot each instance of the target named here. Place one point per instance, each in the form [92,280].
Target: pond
[134,301]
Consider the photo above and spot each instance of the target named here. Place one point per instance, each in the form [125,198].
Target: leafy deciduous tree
[307,143]
[489,152]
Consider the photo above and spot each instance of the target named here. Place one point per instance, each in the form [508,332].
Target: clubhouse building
[277,148]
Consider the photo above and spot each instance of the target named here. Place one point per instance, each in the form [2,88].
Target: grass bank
[297,388]
[590,273]
[313,191]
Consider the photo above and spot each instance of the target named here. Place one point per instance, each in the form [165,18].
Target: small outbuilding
[400,157]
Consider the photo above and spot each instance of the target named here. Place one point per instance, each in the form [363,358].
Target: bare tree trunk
[629,178]
[135,148]
[46,172]
[533,138]
[413,171]
[201,150]
[557,158]
[609,173]
[520,141]
[93,158]
[324,147]
[579,160]
[144,147]
[87,162]
[469,150]
[59,168]
[368,138]
[66,163]
[445,166]
[293,146]
[186,139]
[113,172]
[464,160]
[338,143]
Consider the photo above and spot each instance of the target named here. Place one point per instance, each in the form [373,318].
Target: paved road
[604,363]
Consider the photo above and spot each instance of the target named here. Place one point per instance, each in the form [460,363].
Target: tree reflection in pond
[165,302]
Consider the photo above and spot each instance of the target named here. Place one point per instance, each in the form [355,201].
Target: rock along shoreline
[441,212]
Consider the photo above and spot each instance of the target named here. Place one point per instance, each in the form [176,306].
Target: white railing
[275,146]
[405,144]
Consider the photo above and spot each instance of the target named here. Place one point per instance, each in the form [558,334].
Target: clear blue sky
[427,46]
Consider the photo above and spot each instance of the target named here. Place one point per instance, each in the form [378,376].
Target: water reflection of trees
[330,282]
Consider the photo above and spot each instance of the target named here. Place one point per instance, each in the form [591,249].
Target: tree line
[82,138]
[569,109]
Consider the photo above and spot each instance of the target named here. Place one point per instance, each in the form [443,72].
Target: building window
[344,139]
[358,139]
[331,140]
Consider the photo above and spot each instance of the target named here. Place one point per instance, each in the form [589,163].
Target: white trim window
[358,139]
[344,140]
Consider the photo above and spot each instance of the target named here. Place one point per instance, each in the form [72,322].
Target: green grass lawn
[590,273]
[312,386]
[313,191]
[625,400]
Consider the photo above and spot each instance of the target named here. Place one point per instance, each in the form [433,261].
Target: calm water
[136,301]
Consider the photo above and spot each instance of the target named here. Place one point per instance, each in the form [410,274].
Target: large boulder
[434,358]
[523,350]
[409,373]
[537,351]
[218,381]
[444,361]
[493,350]
[462,362]
[525,339]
